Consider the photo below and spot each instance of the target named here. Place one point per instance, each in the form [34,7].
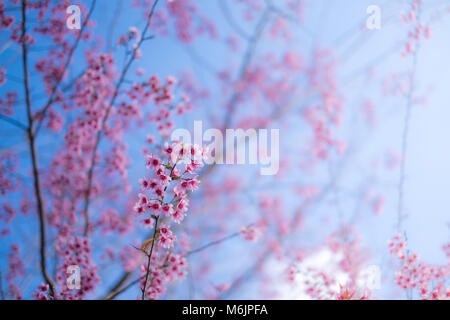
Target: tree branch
[213,243]
[147,271]
[14,122]
[31,140]
[404,146]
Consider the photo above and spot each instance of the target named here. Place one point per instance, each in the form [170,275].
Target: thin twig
[213,243]
[115,293]
[147,271]
[14,122]
[406,122]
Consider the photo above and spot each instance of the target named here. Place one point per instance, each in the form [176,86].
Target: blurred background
[363,119]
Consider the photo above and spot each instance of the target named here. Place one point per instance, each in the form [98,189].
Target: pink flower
[251,233]
[148,223]
[153,162]
[178,216]
[167,209]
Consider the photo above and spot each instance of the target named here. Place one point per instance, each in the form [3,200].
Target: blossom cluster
[76,251]
[418,29]
[164,200]
[16,269]
[415,275]
[167,267]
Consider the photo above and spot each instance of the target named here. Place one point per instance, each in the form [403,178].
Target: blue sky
[328,24]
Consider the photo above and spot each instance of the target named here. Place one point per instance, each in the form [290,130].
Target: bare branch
[14,122]
[31,140]
[213,243]
[147,271]
[409,103]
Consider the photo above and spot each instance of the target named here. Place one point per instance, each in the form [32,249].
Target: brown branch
[105,119]
[115,290]
[31,140]
[115,293]
[147,271]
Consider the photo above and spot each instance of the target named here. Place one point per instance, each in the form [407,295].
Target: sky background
[331,24]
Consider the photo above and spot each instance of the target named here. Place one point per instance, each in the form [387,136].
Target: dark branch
[31,140]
